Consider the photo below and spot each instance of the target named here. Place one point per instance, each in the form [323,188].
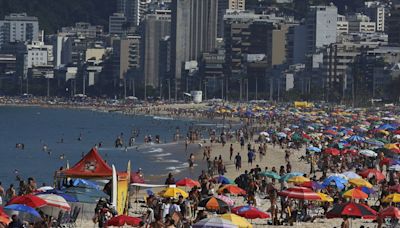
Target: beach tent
[90,166]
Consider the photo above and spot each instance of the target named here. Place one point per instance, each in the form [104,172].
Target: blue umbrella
[86,195]
[386,127]
[223,180]
[374,142]
[314,149]
[366,190]
[85,183]
[67,197]
[338,181]
[23,208]
[356,138]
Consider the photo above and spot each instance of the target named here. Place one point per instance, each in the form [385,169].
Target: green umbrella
[296,137]
[383,140]
[270,174]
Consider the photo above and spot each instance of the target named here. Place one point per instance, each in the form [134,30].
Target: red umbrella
[330,132]
[349,151]
[249,212]
[368,173]
[390,212]
[351,209]
[232,189]
[187,182]
[302,193]
[28,200]
[332,151]
[122,220]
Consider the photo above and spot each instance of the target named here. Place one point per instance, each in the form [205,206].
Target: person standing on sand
[231,152]
[238,162]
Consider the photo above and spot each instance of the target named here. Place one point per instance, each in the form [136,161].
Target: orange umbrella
[232,189]
[355,194]
[4,219]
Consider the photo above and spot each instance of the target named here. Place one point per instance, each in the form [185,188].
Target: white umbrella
[264,133]
[351,175]
[55,204]
[396,136]
[45,188]
[395,167]
[368,153]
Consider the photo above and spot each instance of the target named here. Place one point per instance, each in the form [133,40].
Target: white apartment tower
[19,27]
[321,25]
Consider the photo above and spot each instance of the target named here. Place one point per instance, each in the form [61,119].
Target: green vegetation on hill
[54,14]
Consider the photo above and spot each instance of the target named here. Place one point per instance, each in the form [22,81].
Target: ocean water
[59,130]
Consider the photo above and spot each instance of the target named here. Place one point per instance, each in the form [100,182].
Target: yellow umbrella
[298,180]
[384,132]
[325,197]
[237,220]
[392,198]
[173,193]
[360,182]
[391,146]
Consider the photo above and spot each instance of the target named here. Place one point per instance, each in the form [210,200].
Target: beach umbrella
[337,181]
[187,182]
[23,209]
[351,209]
[270,174]
[237,220]
[250,212]
[391,146]
[56,201]
[395,167]
[226,199]
[301,193]
[45,188]
[5,219]
[388,127]
[392,198]
[122,220]
[290,175]
[368,173]
[223,180]
[330,132]
[214,204]
[366,189]
[368,153]
[390,212]
[264,133]
[214,223]
[325,197]
[298,180]
[360,182]
[281,135]
[313,149]
[85,183]
[355,194]
[351,175]
[232,189]
[332,151]
[67,197]
[173,193]
[374,142]
[312,185]
[356,138]
[28,200]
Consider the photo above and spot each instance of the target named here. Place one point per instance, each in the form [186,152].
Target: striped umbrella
[226,199]
[214,223]
[351,209]
[214,204]
[302,193]
[55,204]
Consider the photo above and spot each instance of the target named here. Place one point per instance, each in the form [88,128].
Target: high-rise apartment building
[237,4]
[133,10]
[321,25]
[117,24]
[157,26]
[377,14]
[194,30]
[19,27]
[394,25]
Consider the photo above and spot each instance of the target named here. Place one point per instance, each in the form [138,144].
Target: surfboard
[114,187]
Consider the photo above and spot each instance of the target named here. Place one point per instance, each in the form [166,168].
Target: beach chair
[58,221]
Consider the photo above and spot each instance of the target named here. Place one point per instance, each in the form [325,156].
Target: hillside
[54,14]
